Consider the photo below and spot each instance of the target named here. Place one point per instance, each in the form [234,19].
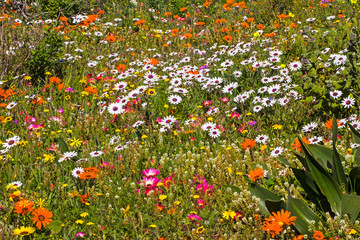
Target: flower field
[164,119]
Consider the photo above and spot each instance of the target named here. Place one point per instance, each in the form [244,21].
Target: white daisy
[309,127]
[174,99]
[262,139]
[214,133]
[96,153]
[77,171]
[276,152]
[116,108]
[348,102]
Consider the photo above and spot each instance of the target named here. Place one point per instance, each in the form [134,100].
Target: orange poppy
[3,105]
[228,38]
[318,235]
[256,174]
[101,12]
[220,20]
[248,144]
[42,217]
[183,9]
[60,86]
[24,207]
[200,23]
[167,14]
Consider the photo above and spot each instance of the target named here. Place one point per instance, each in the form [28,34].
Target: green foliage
[46,57]
[56,8]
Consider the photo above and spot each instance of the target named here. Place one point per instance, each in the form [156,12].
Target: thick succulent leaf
[354,176]
[350,205]
[263,194]
[274,206]
[327,184]
[322,154]
[304,215]
[355,134]
[337,167]
[284,161]
[338,170]
[312,191]
[302,160]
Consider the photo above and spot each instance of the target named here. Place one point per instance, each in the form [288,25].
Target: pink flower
[194,217]
[205,187]
[225,100]
[151,172]
[150,181]
[201,203]
[80,234]
[206,103]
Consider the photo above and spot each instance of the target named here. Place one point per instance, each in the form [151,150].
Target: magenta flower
[194,217]
[150,181]
[206,103]
[151,172]
[205,187]
[80,234]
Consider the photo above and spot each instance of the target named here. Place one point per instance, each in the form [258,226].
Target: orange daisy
[24,207]
[248,144]
[282,217]
[42,217]
[256,174]
[272,227]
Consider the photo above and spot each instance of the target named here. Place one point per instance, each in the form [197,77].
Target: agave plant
[325,183]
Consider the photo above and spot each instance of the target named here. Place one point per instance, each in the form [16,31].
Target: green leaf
[263,194]
[354,176]
[355,134]
[312,191]
[274,206]
[63,146]
[327,184]
[55,226]
[284,161]
[337,167]
[350,205]
[304,215]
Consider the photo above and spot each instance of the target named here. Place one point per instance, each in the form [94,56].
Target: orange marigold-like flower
[24,207]
[87,175]
[141,21]
[167,13]
[121,67]
[248,143]
[272,227]
[329,123]
[256,174]
[188,35]
[42,217]
[111,38]
[54,79]
[183,9]
[282,218]
[318,235]
[200,23]
[297,144]
[228,38]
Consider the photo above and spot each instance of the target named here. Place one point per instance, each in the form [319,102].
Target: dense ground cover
[179,120]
